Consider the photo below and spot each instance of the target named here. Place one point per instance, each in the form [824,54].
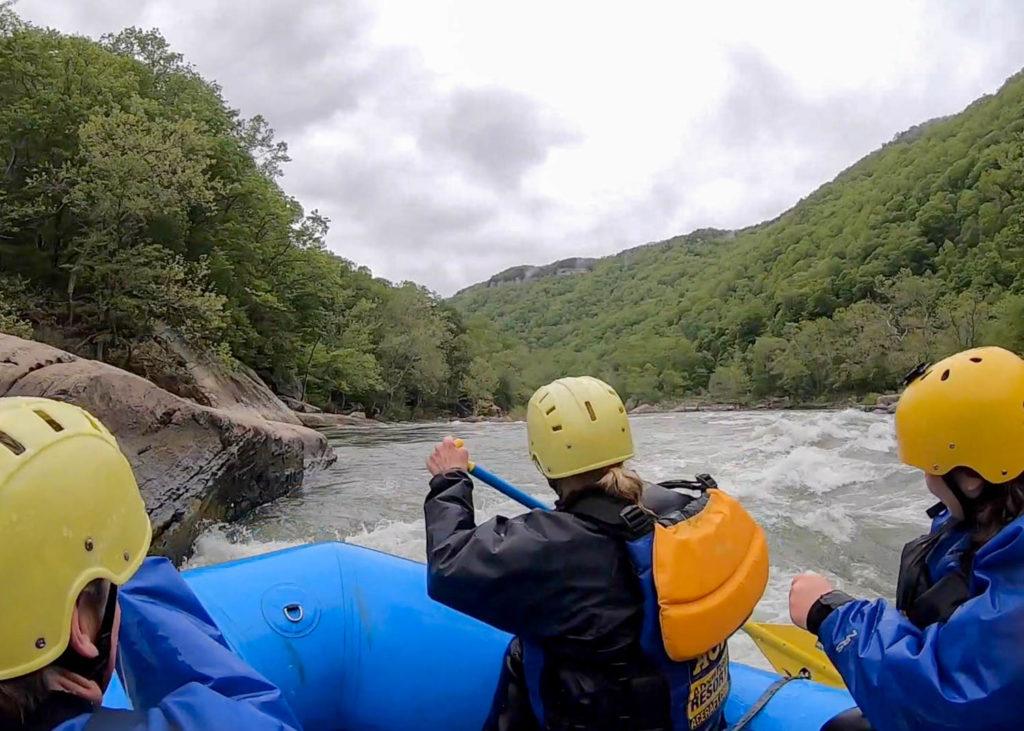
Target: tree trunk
[309,362]
[71,298]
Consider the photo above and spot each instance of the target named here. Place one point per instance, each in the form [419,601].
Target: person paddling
[596,645]
[79,595]
[948,653]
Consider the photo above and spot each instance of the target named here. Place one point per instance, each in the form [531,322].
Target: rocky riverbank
[883,404]
[194,462]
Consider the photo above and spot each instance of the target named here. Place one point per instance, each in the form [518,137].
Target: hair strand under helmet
[70,513]
[575,425]
[965,411]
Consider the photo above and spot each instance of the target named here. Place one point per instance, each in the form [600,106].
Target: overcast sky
[449,139]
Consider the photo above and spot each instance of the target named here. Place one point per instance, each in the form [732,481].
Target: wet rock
[300,406]
[324,420]
[193,463]
[223,384]
[686,407]
[645,409]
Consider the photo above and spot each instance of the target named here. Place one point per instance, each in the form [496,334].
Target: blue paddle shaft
[507,488]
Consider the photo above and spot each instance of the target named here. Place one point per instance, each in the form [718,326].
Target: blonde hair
[615,480]
[623,483]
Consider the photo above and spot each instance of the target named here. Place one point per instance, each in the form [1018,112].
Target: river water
[826,485]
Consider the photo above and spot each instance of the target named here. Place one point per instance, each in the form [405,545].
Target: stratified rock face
[233,387]
[528,273]
[193,463]
[320,420]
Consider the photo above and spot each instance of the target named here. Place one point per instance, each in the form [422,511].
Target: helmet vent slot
[50,421]
[975,359]
[590,410]
[556,427]
[16,447]
[945,374]
[549,411]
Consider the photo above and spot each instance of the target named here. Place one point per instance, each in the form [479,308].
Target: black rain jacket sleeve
[507,572]
[558,580]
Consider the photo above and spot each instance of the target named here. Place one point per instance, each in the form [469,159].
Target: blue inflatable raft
[352,639]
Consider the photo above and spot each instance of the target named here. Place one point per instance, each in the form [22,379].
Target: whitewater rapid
[826,485]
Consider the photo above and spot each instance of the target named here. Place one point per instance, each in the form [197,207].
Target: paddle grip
[503,486]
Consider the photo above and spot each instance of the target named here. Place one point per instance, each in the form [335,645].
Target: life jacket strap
[638,521]
[700,483]
[618,517]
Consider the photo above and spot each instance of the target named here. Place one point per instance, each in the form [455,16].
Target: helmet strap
[966,503]
[95,668]
[969,505]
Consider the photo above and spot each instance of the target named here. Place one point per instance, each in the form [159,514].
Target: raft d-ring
[291,610]
[294,613]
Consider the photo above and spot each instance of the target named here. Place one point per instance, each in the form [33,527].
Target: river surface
[826,485]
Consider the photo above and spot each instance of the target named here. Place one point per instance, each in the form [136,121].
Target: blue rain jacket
[177,668]
[966,673]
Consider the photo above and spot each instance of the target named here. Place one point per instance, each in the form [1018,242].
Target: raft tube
[354,642]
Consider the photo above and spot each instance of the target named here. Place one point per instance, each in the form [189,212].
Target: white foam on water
[793,429]
[222,542]
[815,469]
[879,437]
[832,522]
[397,538]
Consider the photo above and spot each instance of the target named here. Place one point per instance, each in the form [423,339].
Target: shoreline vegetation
[144,225]
[911,254]
[139,213]
[875,404]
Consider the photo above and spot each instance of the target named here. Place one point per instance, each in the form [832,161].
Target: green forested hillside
[914,252]
[132,200]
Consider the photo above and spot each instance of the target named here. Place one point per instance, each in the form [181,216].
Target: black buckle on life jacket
[707,481]
[700,483]
[636,519]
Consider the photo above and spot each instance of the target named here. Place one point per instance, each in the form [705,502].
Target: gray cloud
[771,144]
[429,178]
[500,134]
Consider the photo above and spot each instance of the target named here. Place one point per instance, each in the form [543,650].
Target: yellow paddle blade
[793,652]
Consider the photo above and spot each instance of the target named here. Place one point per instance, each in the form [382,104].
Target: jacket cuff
[440,483]
[823,607]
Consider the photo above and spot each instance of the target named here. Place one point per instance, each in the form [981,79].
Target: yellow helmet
[70,512]
[575,425]
[965,411]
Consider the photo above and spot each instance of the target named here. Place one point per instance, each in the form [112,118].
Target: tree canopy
[133,199]
[912,253]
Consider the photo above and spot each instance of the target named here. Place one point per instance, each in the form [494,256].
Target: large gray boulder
[325,421]
[194,463]
[210,381]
